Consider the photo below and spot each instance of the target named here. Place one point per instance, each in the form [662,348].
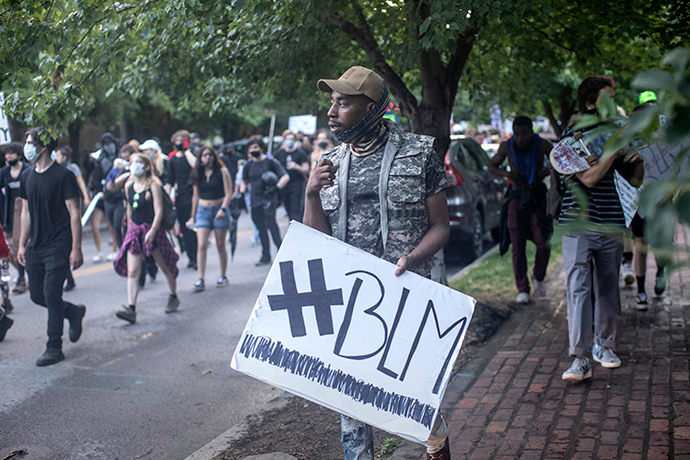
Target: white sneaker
[605,356]
[539,288]
[97,258]
[581,369]
[112,256]
[522,298]
[628,273]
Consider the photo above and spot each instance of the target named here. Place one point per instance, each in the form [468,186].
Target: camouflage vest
[402,197]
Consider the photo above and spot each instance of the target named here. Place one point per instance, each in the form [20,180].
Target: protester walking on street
[523,211]
[591,257]
[180,165]
[9,183]
[145,237]
[6,307]
[64,157]
[263,177]
[213,191]
[295,160]
[50,241]
[357,194]
[100,165]
[114,194]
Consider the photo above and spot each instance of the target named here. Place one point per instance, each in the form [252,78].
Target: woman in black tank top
[213,191]
[145,237]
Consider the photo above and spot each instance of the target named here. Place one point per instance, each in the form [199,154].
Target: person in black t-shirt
[179,166]
[296,161]
[9,181]
[266,177]
[50,240]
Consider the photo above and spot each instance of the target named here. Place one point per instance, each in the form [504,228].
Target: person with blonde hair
[145,237]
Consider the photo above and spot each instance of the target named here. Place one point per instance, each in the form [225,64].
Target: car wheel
[477,235]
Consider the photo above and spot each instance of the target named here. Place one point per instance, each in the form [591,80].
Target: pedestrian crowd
[381,190]
[150,202]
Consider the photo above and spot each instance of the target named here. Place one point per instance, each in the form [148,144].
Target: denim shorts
[206,217]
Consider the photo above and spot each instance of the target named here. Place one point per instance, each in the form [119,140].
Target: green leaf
[654,80]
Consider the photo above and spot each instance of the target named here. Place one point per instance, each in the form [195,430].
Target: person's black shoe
[5,325]
[50,356]
[191,264]
[75,326]
[69,286]
[262,261]
[7,306]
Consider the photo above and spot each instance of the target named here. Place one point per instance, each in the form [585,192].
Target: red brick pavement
[519,407]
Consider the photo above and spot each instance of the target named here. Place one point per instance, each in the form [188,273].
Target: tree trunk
[73,130]
[567,107]
[557,128]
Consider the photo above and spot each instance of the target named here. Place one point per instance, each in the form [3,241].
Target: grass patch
[492,280]
[387,448]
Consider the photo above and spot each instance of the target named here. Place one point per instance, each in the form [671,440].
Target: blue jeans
[358,438]
[206,217]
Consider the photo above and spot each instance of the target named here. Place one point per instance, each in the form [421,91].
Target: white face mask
[137,169]
[30,153]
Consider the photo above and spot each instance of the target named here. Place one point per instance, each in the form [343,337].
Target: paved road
[159,389]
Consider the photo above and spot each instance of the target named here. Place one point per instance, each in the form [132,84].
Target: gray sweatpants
[592,267]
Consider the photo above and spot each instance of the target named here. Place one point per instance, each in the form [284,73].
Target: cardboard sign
[659,159]
[334,325]
[305,124]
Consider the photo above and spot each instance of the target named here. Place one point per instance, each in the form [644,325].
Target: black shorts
[637,226]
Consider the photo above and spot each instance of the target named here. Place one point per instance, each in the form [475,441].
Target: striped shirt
[603,205]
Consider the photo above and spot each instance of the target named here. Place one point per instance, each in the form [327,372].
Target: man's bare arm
[435,237]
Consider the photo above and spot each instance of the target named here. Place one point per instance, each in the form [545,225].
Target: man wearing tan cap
[381,190]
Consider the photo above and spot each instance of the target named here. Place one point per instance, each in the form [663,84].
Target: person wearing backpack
[523,212]
[266,177]
[213,191]
[145,236]
[592,255]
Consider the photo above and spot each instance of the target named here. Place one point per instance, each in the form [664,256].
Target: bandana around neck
[370,133]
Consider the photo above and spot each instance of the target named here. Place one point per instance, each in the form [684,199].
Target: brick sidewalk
[519,407]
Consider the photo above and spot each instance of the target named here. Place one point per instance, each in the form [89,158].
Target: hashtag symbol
[293,302]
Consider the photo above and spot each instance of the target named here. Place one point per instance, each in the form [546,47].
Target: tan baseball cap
[356,80]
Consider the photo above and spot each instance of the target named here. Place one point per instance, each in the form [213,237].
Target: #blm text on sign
[334,325]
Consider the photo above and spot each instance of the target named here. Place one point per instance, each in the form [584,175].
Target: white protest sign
[629,197]
[334,325]
[305,124]
[5,137]
[659,159]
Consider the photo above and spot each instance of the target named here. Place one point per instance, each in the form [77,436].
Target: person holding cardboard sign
[591,257]
[383,191]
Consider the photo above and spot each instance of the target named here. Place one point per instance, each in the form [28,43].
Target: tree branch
[364,38]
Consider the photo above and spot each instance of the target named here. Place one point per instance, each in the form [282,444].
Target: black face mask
[12,162]
[179,146]
[255,153]
[323,144]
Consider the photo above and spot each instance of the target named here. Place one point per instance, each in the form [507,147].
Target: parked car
[474,197]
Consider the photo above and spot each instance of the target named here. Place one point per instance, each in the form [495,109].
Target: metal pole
[270,134]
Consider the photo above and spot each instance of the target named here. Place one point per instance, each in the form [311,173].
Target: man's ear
[370,106]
